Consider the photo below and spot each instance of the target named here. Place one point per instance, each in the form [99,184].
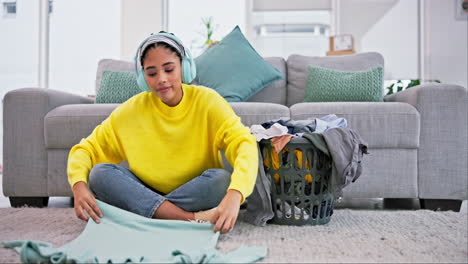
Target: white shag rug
[357,236]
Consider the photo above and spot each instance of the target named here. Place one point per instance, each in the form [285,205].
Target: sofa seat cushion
[381,125]
[66,125]
[256,113]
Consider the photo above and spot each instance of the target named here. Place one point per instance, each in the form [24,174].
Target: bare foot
[205,215]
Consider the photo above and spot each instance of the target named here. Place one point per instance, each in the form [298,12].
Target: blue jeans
[119,187]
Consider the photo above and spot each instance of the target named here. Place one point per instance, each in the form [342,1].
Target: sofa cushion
[111,65]
[234,68]
[256,113]
[297,69]
[117,87]
[328,85]
[273,93]
[381,125]
[66,125]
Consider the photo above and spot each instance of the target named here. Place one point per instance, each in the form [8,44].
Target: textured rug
[359,236]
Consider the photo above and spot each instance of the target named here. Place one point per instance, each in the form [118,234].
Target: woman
[170,136]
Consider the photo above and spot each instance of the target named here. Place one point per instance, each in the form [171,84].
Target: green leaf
[413,83]
[390,89]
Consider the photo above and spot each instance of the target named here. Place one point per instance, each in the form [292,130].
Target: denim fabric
[118,186]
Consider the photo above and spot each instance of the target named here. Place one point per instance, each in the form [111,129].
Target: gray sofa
[417,138]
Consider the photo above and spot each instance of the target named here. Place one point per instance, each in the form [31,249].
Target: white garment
[275,130]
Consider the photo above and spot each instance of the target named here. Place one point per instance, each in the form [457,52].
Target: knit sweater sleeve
[240,149]
[101,146]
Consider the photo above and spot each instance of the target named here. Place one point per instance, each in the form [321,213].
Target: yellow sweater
[168,146]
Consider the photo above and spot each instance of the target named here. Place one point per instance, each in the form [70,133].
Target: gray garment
[318,141]
[346,148]
[259,208]
[317,125]
[301,126]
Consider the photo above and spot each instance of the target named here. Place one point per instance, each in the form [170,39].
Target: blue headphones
[189,69]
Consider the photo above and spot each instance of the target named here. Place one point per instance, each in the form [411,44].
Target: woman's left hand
[225,215]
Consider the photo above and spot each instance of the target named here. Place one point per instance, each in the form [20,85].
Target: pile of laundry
[281,131]
[328,134]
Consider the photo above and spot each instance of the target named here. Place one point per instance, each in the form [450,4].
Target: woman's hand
[85,203]
[227,211]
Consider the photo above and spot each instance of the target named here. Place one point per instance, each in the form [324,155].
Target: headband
[158,38]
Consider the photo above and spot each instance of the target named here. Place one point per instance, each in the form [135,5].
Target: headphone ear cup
[186,71]
[193,69]
[141,81]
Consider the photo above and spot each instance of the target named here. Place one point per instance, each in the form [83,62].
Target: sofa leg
[440,204]
[400,203]
[29,201]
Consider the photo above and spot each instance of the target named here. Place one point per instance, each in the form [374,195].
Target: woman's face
[163,74]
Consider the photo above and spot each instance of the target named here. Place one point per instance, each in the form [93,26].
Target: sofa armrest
[443,153]
[24,152]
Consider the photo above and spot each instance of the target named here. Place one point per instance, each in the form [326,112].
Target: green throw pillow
[234,69]
[328,85]
[117,87]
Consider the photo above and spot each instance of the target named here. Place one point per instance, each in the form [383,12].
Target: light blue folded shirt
[123,237]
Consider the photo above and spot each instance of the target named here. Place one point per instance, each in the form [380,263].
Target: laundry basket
[300,176]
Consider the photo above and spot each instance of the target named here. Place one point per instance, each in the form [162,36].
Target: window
[9,9]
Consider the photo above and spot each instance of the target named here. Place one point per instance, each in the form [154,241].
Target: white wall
[185,19]
[446,43]
[140,18]
[285,44]
[81,33]
[297,5]
[389,27]
[19,47]
[18,52]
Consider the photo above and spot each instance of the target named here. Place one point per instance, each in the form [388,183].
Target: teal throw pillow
[328,85]
[117,87]
[234,69]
